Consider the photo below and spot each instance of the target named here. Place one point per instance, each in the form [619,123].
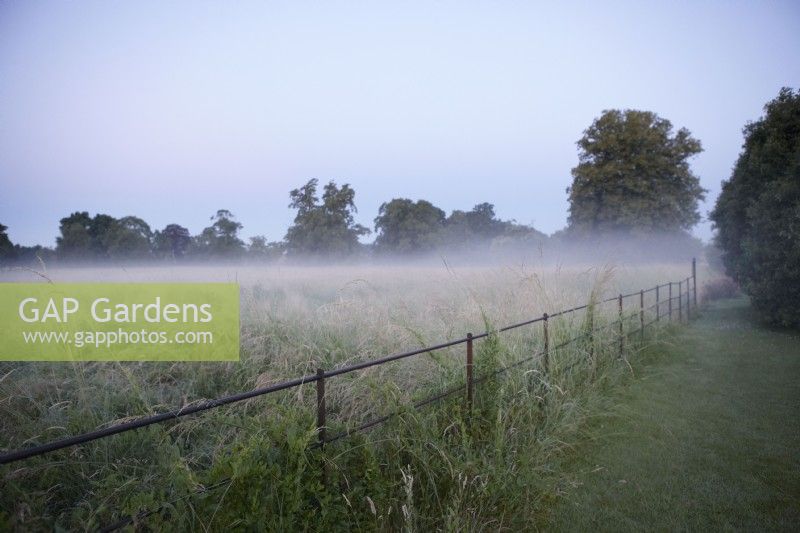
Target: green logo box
[119,322]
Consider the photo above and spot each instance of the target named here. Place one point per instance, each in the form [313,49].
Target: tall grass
[434,467]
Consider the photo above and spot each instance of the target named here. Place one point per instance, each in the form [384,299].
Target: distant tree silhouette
[406,226]
[7,252]
[75,241]
[172,241]
[129,238]
[478,224]
[325,228]
[221,238]
[259,248]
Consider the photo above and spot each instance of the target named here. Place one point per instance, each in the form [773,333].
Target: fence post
[470,382]
[591,337]
[688,300]
[680,301]
[658,305]
[670,301]
[694,280]
[621,329]
[641,315]
[321,433]
[546,354]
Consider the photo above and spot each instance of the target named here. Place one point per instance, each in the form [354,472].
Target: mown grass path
[705,438]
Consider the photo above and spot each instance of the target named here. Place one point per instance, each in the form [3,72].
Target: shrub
[719,289]
[757,213]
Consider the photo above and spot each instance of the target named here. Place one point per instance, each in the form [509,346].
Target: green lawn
[705,438]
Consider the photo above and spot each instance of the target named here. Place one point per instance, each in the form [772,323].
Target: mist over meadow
[499,267]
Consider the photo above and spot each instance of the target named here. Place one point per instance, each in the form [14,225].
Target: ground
[706,437]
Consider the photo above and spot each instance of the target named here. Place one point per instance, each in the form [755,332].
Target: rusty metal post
[321,433]
[621,330]
[694,280]
[658,305]
[470,382]
[321,406]
[591,336]
[670,301]
[688,299]
[641,315]
[680,301]
[546,354]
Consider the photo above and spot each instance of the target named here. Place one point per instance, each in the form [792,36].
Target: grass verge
[707,438]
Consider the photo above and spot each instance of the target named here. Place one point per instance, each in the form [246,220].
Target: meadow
[437,467]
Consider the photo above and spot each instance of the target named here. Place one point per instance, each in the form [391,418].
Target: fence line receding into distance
[685,289]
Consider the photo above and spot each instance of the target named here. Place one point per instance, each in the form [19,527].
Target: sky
[172,110]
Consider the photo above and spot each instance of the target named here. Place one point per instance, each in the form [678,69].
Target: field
[433,468]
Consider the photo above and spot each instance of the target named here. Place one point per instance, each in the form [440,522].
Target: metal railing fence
[686,296]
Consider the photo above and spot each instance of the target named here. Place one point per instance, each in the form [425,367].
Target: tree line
[757,214]
[632,180]
[324,225]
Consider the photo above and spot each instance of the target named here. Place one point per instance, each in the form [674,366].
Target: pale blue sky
[171,110]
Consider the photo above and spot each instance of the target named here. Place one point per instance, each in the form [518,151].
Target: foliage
[259,248]
[14,253]
[325,228]
[719,289]
[172,241]
[713,256]
[757,215]
[221,238]
[6,247]
[99,229]
[478,224]
[75,241]
[406,226]
[633,176]
[103,237]
[128,238]
[322,226]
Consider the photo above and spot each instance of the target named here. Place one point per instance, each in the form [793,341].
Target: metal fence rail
[686,291]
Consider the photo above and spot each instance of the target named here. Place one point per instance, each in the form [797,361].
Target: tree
[75,241]
[260,249]
[633,176]
[478,224]
[7,252]
[221,238]
[128,238]
[172,241]
[100,230]
[757,214]
[34,255]
[326,228]
[102,237]
[519,234]
[15,253]
[405,226]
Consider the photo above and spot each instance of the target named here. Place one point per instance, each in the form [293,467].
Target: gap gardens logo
[119,322]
